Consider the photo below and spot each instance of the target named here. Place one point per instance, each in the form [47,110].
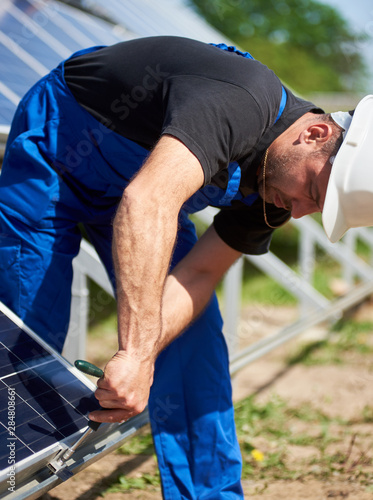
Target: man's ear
[317,132]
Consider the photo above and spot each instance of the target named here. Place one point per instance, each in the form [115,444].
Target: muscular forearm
[143,240]
[145,229]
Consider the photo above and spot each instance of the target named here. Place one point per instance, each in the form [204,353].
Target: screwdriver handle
[95,371]
[88,368]
[94,425]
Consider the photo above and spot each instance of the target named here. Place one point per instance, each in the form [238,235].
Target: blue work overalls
[61,168]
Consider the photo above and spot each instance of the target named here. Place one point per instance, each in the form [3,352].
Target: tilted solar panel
[51,402]
[44,401]
[35,35]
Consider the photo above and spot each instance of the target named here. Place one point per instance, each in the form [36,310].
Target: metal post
[232,305]
[75,344]
[307,267]
[348,273]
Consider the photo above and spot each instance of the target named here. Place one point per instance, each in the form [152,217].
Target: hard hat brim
[348,177]
[332,216]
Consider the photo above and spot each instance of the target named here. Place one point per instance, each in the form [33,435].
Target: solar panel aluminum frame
[33,477]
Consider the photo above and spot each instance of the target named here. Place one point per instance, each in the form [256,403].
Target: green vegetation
[347,337]
[308,44]
[102,310]
[143,482]
[276,424]
[140,444]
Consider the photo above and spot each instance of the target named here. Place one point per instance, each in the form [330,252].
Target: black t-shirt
[222,106]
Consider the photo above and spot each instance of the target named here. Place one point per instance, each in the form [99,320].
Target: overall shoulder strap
[232,48]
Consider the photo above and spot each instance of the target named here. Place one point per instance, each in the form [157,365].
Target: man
[127,140]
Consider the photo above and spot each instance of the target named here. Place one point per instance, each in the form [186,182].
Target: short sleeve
[244,229]
[217,121]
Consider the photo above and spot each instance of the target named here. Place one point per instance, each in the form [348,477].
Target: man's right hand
[123,389]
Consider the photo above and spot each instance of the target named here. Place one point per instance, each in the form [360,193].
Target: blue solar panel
[25,36]
[41,399]
[46,32]
[15,73]
[94,28]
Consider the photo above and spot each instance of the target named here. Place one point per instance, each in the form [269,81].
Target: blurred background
[321,49]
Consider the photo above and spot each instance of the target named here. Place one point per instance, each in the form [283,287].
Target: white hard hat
[349,195]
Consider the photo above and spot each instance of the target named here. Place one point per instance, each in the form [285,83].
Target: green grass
[124,483]
[347,337]
[102,307]
[275,422]
[271,420]
[141,443]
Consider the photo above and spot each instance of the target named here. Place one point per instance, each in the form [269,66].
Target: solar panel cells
[35,36]
[48,403]
[7,110]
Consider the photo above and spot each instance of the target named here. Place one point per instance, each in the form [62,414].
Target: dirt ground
[338,390]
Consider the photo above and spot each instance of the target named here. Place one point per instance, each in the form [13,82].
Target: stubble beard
[277,176]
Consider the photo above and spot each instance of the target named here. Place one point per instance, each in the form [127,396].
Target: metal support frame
[232,307]
[332,311]
[338,251]
[108,438]
[295,283]
[75,344]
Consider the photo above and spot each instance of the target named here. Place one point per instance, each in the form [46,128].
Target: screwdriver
[88,368]
[58,465]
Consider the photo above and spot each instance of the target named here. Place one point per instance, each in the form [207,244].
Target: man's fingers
[104,394]
[114,397]
[135,408]
[123,391]
[120,393]
[105,384]
[130,404]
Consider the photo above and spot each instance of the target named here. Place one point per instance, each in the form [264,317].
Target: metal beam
[332,312]
[291,281]
[338,251]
